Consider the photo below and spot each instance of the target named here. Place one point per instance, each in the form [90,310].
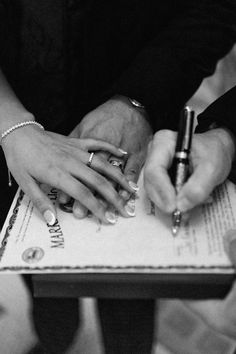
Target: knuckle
[163,134]
[133,170]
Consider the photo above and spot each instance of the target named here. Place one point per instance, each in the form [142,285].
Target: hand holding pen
[212,153]
[181,163]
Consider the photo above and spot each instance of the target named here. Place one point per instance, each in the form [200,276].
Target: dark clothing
[64,57]
[221,112]
[127,325]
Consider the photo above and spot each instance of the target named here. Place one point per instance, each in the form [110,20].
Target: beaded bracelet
[10,130]
[19,125]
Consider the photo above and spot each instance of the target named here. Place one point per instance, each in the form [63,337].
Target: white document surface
[143,243]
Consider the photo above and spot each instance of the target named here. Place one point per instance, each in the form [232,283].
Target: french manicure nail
[130,209]
[49,217]
[123,151]
[111,217]
[134,186]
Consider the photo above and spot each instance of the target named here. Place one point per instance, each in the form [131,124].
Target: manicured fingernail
[134,186]
[123,151]
[130,208]
[49,217]
[111,217]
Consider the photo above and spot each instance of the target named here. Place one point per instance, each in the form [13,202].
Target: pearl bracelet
[19,125]
[10,130]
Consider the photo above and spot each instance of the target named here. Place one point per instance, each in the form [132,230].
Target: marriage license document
[143,243]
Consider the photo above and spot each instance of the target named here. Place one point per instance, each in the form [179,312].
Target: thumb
[133,167]
[132,171]
[40,201]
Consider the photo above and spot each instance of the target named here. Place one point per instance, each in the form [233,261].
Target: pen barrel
[184,138]
[180,172]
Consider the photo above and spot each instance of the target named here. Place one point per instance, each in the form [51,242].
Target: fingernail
[111,217]
[49,217]
[134,186]
[130,208]
[123,151]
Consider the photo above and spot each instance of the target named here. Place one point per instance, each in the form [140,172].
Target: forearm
[170,68]
[11,109]
[221,113]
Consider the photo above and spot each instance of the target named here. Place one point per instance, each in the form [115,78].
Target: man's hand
[211,157]
[126,127]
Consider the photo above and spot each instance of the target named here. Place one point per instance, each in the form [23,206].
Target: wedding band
[89,163]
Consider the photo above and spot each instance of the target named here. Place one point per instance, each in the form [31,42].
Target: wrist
[131,104]
[9,134]
[12,120]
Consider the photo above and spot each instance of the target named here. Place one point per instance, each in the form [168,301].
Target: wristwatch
[135,103]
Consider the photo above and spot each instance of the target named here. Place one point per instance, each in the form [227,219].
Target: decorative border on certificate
[11,223]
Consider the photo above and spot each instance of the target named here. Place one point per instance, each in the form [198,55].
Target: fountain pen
[180,166]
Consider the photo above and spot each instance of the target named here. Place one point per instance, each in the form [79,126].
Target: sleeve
[221,113]
[167,72]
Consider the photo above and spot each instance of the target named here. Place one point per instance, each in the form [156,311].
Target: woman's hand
[211,157]
[35,156]
[118,123]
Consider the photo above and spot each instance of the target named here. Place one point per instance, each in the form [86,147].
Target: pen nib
[175,230]
[176,222]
